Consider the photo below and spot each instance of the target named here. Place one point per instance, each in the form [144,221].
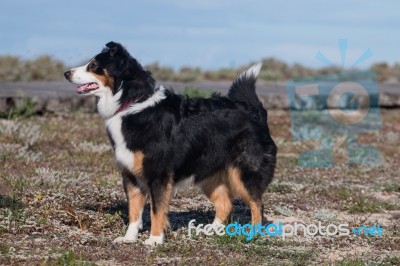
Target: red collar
[125,105]
[122,107]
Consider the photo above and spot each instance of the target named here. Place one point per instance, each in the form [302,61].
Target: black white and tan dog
[162,139]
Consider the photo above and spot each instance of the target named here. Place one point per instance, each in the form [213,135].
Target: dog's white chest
[123,155]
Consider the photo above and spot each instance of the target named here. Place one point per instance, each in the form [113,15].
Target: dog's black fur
[180,137]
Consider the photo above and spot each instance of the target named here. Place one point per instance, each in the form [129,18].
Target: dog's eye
[93,65]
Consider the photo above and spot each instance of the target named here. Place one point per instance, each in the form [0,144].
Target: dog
[162,139]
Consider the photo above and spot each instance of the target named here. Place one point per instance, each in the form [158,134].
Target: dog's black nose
[67,74]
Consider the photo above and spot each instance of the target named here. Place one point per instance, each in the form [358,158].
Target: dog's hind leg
[136,201]
[160,192]
[218,193]
[249,190]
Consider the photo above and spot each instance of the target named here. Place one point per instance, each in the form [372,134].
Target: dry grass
[46,67]
[62,202]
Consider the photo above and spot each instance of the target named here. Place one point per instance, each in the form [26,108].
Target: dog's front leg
[160,192]
[136,201]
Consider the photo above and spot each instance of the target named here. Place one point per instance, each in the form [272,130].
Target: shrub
[42,68]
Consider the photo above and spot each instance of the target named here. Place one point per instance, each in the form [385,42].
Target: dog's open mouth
[85,88]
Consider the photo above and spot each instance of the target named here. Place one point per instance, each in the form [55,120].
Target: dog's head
[113,74]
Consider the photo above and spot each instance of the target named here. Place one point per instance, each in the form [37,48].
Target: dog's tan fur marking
[217,191]
[237,187]
[136,199]
[159,219]
[106,79]
[222,202]
[138,157]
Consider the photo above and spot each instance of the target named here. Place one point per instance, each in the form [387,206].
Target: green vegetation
[232,240]
[197,93]
[279,187]
[47,68]
[4,249]
[351,200]
[42,68]
[25,109]
[363,204]
[273,70]
[362,262]
[68,258]
[352,262]
[391,187]
[10,202]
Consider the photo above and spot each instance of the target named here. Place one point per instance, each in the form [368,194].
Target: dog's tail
[243,89]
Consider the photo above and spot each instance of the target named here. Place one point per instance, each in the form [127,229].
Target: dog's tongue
[87,87]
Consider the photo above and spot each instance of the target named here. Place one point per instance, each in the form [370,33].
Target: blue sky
[207,33]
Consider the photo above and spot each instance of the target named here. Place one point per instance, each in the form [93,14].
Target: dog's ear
[114,48]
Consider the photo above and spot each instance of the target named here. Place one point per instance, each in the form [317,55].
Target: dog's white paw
[217,223]
[218,226]
[124,239]
[131,234]
[154,240]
